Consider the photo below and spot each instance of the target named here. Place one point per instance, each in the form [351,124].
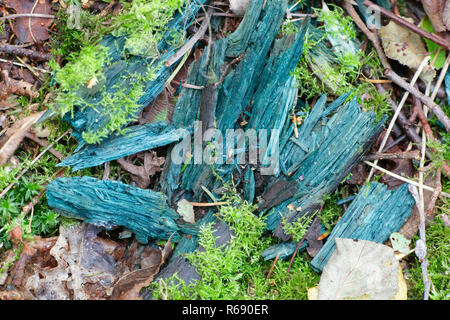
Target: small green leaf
[433,48]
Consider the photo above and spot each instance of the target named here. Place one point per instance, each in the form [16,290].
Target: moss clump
[143,23]
[237,270]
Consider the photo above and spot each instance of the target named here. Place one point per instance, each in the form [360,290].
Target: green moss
[143,23]
[239,271]
[298,228]
[438,255]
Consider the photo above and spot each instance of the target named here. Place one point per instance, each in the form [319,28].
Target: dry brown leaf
[14,136]
[18,87]
[140,175]
[406,47]
[446,14]
[31,29]
[129,286]
[85,266]
[158,110]
[434,10]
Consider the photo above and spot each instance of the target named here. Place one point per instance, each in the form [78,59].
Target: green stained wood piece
[109,203]
[137,138]
[374,214]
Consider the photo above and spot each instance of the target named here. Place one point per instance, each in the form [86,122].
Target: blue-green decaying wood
[138,138]
[122,65]
[318,160]
[112,203]
[261,79]
[189,243]
[374,214]
[285,249]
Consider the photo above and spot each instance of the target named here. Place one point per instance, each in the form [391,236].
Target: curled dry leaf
[446,14]
[29,29]
[85,266]
[434,10]
[360,269]
[14,136]
[406,47]
[18,87]
[140,175]
[129,286]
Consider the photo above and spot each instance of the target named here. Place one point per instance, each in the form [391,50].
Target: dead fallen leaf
[312,236]
[129,286]
[186,211]
[140,175]
[14,136]
[446,220]
[446,14]
[361,270]
[239,6]
[18,87]
[84,266]
[31,29]
[434,10]
[160,109]
[406,47]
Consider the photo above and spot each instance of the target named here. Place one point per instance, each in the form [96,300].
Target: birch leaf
[360,269]
[186,211]
[406,47]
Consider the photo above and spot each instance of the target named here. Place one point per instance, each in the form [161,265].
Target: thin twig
[190,43]
[22,65]
[397,111]
[425,99]
[29,21]
[436,193]
[27,15]
[43,143]
[32,162]
[404,23]
[273,265]
[293,257]
[414,183]
[16,50]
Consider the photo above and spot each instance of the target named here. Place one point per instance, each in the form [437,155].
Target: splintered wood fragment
[373,215]
[112,203]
